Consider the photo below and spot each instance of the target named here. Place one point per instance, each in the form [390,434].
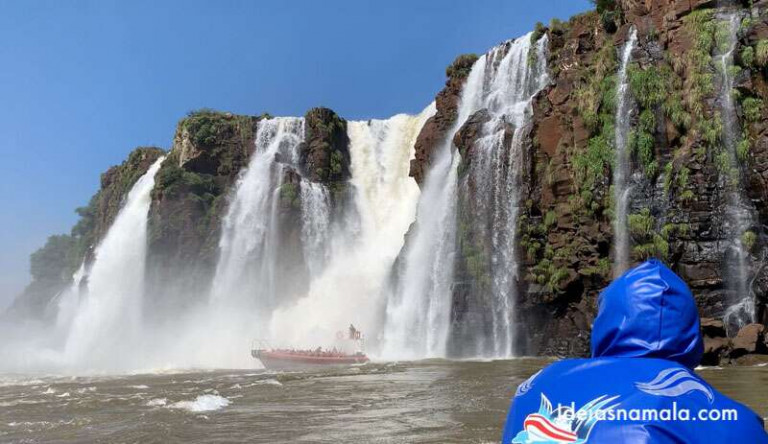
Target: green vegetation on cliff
[210,148]
[748,239]
[474,255]
[648,242]
[538,32]
[596,103]
[656,89]
[176,180]
[289,195]
[696,68]
[215,142]
[609,12]
[56,260]
[324,157]
[752,108]
[461,66]
[761,53]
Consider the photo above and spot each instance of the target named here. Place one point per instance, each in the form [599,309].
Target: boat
[347,351]
[288,359]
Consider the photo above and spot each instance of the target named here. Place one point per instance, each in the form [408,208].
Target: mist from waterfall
[418,310]
[107,318]
[622,166]
[739,211]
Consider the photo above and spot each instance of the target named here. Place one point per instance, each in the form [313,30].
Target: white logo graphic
[526,385]
[675,382]
[564,424]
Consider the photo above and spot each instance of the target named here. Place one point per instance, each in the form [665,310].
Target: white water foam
[203,403]
[157,402]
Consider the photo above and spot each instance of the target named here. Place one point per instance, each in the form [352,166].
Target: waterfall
[418,309]
[315,225]
[347,252]
[275,238]
[621,188]
[246,270]
[739,212]
[108,319]
[496,172]
[384,204]
[68,300]
[255,263]
[418,313]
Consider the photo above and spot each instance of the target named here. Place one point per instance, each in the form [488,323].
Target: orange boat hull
[278,360]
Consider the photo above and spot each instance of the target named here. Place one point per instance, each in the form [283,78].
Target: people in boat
[354,334]
[639,386]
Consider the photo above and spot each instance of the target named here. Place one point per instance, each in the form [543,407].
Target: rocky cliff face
[435,130]
[324,156]
[681,183]
[679,207]
[324,160]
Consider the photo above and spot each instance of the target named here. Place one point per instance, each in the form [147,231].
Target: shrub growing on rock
[461,66]
[538,32]
[753,108]
[748,240]
[747,56]
[761,53]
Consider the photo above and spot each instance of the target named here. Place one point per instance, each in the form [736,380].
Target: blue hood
[648,312]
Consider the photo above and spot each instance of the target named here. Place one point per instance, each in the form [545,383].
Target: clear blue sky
[84,82]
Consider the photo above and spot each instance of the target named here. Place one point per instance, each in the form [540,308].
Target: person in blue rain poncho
[639,385]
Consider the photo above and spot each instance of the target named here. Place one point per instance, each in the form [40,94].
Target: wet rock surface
[435,130]
[747,347]
[679,203]
[684,199]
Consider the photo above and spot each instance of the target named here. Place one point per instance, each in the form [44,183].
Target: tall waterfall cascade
[740,212]
[346,261]
[245,274]
[621,187]
[67,301]
[251,276]
[418,314]
[384,202]
[108,317]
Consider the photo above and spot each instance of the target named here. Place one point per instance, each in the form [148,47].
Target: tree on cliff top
[604,5]
[608,14]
